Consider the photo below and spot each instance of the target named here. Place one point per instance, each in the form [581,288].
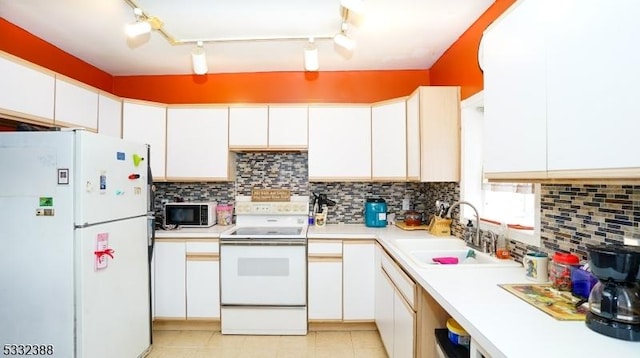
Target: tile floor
[333,344]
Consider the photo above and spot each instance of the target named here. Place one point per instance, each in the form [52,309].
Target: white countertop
[192,232]
[501,323]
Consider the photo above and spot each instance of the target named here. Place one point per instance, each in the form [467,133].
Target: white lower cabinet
[358,264]
[398,305]
[169,299]
[325,280]
[203,279]
[384,298]
[186,279]
[341,280]
[404,327]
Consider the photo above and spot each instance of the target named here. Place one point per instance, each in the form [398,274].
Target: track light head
[199,59]
[137,28]
[311,56]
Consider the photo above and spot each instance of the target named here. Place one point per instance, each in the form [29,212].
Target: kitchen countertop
[193,232]
[502,324]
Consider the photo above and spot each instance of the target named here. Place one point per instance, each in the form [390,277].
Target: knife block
[440,226]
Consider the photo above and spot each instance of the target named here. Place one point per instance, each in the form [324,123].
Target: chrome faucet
[474,242]
[490,243]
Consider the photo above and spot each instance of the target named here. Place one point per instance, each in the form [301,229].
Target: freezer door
[113,294]
[112,178]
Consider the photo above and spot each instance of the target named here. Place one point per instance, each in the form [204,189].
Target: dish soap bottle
[469,232]
[502,246]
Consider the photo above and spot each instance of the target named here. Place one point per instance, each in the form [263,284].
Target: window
[497,203]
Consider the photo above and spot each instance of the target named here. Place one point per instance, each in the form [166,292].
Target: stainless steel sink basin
[422,252]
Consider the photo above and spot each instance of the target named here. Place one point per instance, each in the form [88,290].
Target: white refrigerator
[74,264]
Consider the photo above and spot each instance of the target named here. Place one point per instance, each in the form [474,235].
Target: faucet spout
[475,242]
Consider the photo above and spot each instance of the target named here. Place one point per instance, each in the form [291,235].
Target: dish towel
[446,260]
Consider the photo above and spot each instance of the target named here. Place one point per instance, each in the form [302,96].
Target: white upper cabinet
[197,147]
[438,109]
[514,94]
[546,116]
[413,136]
[146,122]
[248,127]
[288,127]
[339,143]
[592,88]
[26,90]
[109,115]
[389,140]
[76,105]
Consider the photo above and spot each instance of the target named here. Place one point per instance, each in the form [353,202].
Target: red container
[560,271]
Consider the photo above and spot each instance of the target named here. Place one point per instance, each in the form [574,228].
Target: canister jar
[224,214]
[560,271]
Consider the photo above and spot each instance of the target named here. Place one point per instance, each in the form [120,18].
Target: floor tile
[334,340]
[192,339]
[207,344]
[334,353]
[369,353]
[366,339]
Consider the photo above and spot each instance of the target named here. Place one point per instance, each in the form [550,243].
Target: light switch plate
[406,204]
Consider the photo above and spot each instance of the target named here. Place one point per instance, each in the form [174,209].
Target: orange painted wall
[272,87]
[20,43]
[458,67]
[459,64]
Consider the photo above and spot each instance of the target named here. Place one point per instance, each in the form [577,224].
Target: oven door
[263,272]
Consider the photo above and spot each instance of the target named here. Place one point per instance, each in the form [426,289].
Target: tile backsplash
[575,215]
[571,215]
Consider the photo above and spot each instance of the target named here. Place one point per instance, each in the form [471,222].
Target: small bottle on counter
[502,245]
[311,217]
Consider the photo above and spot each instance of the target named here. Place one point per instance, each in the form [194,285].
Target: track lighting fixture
[356,6]
[341,39]
[145,23]
[140,27]
[311,56]
[199,59]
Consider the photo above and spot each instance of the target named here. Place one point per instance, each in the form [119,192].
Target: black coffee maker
[614,302]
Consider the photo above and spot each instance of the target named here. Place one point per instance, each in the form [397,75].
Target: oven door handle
[264,242]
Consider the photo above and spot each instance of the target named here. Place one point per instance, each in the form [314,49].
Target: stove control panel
[272,208]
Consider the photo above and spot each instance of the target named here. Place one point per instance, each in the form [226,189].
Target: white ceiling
[390,35]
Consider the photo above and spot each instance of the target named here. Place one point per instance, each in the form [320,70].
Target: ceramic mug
[536,266]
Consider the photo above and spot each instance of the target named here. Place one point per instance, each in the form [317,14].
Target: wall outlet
[631,241]
[406,204]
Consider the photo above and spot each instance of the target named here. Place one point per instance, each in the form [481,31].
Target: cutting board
[404,226]
[558,304]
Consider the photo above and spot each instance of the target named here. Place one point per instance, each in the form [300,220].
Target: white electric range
[263,268]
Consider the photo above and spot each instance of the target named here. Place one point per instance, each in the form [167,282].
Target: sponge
[446,260]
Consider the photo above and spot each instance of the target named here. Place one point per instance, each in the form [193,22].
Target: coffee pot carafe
[614,302]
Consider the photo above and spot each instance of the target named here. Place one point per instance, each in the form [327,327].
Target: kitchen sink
[423,251]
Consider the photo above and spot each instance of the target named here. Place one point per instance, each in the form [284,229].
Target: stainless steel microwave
[190,214]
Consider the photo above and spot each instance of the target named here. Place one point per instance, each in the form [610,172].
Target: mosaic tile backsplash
[571,215]
[575,215]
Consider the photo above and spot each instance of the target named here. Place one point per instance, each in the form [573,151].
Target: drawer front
[325,248]
[203,246]
[403,283]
